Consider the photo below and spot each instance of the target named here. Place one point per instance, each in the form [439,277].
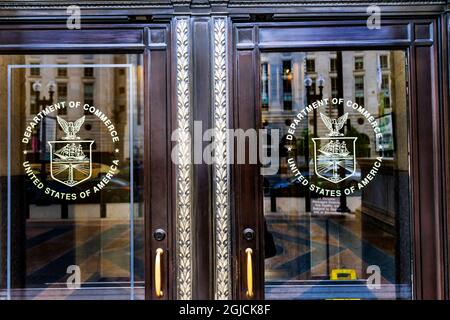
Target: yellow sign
[343,274]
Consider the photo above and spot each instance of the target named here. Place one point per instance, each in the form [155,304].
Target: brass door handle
[158,292]
[249,253]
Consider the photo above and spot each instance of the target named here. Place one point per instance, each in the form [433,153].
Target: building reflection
[50,235]
[313,239]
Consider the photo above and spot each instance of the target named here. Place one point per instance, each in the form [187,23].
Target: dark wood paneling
[425,156]
[270,37]
[247,181]
[157,166]
[202,176]
[290,8]
[445,28]
[75,39]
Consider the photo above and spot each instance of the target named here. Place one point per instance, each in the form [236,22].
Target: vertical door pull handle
[158,292]
[249,253]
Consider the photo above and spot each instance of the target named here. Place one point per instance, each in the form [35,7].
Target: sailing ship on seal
[70,152]
[335,149]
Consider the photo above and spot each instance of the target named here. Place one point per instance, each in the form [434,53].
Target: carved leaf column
[221,185]
[184,166]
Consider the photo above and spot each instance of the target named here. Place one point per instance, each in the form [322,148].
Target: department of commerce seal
[70,156]
[334,155]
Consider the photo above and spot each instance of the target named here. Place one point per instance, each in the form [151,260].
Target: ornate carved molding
[86,4]
[221,192]
[184,167]
[132,4]
[261,3]
[275,3]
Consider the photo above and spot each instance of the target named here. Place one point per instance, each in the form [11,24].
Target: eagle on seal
[70,128]
[334,125]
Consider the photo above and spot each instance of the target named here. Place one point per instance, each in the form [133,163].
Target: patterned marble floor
[308,248]
[100,248]
[300,270]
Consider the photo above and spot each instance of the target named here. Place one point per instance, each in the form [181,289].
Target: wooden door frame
[420,37]
[153,42]
[243,16]
[445,87]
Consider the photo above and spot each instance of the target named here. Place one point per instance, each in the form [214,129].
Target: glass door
[337,210]
[72,176]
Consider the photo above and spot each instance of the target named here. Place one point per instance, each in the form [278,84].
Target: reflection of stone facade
[379,84]
[16,113]
[369,77]
[110,94]
[106,88]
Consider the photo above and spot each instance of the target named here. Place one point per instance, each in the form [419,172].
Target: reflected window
[385,82]
[334,87]
[88,72]
[384,64]
[287,85]
[62,72]
[34,108]
[359,90]
[35,72]
[88,94]
[264,86]
[310,65]
[359,63]
[387,102]
[61,93]
[333,65]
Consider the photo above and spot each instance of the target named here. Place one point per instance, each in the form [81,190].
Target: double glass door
[72,184]
[89,192]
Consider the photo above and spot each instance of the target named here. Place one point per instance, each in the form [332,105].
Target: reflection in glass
[63,248]
[329,247]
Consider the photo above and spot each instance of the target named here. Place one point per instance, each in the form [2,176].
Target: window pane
[310,65]
[76,178]
[359,63]
[287,85]
[359,83]
[35,71]
[264,86]
[384,61]
[89,72]
[333,65]
[61,93]
[88,92]
[62,72]
[322,242]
